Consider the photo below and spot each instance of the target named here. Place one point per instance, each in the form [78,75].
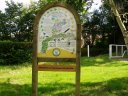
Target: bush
[94,51]
[15,52]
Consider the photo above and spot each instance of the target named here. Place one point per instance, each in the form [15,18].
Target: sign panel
[57,34]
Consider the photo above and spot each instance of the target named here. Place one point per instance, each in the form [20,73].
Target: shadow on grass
[53,89]
[114,87]
[57,89]
[7,89]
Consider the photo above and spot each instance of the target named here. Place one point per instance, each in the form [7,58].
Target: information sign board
[57,38]
[57,33]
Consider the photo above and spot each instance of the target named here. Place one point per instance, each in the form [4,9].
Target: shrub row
[94,51]
[15,52]
[20,52]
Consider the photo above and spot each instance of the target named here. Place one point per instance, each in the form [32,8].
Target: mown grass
[100,76]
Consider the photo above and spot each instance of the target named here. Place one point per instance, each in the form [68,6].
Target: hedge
[15,52]
[20,52]
[94,51]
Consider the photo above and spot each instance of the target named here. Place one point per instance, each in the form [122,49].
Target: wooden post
[35,63]
[78,55]
[77,78]
[34,78]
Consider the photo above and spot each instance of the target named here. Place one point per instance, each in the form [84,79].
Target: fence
[117,51]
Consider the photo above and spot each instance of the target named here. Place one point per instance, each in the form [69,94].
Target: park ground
[100,76]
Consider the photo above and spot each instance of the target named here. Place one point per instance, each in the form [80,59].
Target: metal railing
[119,50]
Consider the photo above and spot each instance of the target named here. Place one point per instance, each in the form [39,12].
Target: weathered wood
[34,64]
[34,79]
[78,60]
[53,67]
[56,59]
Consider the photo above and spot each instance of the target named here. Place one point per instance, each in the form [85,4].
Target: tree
[101,28]
[3,31]
[17,21]
[118,17]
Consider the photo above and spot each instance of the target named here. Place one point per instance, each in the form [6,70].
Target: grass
[99,77]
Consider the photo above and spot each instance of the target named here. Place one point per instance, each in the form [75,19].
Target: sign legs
[34,79]
[77,78]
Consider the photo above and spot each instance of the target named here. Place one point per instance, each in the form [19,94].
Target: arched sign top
[57,31]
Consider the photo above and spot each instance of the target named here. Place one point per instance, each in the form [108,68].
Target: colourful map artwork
[57,34]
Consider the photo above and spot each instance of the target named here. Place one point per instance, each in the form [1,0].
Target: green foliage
[101,29]
[94,51]
[15,52]
[16,23]
[45,42]
[77,4]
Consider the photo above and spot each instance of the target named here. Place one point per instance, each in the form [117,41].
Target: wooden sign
[57,35]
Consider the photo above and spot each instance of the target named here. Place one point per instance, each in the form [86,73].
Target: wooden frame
[49,67]
[69,68]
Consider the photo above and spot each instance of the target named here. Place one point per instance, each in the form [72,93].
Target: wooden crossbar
[51,67]
[56,59]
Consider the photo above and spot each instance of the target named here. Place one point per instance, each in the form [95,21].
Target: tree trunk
[120,22]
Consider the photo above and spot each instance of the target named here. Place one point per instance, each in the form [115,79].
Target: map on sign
[57,33]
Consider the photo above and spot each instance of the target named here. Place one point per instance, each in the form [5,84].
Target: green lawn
[99,77]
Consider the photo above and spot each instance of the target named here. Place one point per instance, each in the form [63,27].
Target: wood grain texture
[56,59]
[53,67]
